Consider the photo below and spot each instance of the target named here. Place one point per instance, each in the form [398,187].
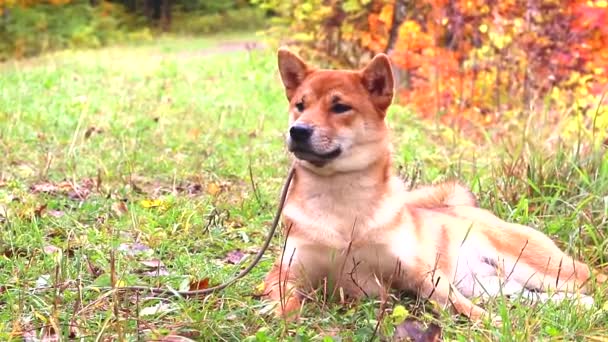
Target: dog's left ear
[377,78]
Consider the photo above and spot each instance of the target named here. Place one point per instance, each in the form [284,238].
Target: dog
[350,223]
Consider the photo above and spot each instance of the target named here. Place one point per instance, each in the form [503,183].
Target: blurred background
[157,126]
[467,63]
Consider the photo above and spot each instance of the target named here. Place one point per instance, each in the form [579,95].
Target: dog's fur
[352,224]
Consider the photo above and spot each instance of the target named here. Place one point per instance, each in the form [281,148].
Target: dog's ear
[377,78]
[293,70]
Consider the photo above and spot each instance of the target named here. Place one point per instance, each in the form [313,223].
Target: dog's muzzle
[299,143]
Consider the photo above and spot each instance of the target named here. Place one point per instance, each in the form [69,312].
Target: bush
[28,31]
[241,19]
[468,63]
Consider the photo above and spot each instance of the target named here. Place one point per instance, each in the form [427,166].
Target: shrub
[28,31]
[241,19]
[468,63]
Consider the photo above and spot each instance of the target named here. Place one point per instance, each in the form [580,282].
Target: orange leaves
[379,25]
[471,61]
[29,3]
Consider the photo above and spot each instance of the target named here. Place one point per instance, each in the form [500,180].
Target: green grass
[171,121]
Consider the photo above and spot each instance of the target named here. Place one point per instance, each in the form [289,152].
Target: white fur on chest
[348,238]
[336,217]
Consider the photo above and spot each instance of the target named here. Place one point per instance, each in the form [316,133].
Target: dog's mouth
[317,159]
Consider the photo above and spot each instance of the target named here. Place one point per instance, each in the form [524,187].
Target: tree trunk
[165,15]
[398,17]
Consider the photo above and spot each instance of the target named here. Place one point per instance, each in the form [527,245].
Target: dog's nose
[300,132]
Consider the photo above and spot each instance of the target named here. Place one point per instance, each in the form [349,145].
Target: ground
[160,164]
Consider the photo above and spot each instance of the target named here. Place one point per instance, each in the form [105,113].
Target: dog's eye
[300,106]
[339,108]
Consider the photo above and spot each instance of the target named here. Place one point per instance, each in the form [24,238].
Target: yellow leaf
[386,14]
[260,287]
[399,314]
[483,28]
[121,283]
[151,203]
[40,316]
[213,189]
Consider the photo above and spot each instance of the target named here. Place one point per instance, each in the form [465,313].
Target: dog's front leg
[280,288]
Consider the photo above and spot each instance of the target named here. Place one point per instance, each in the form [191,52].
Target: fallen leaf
[156,203]
[134,248]
[156,309]
[3,212]
[175,338]
[94,270]
[56,213]
[161,272]
[199,284]
[119,208]
[213,189]
[40,210]
[49,335]
[50,249]
[43,281]
[54,251]
[153,263]
[43,187]
[413,330]
[73,191]
[194,189]
[65,186]
[234,257]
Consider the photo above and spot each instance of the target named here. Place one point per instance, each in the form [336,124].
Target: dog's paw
[288,309]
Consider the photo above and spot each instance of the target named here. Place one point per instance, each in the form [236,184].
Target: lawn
[160,164]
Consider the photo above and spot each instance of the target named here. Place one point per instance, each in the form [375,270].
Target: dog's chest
[326,222]
[338,218]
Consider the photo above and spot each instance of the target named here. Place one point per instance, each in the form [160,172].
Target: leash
[258,257]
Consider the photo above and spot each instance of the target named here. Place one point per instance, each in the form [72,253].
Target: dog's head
[337,116]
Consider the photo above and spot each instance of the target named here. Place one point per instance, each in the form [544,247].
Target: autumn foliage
[470,62]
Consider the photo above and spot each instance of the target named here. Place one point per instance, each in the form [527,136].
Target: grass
[91,139]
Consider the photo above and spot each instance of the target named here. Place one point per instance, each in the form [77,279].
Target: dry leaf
[413,330]
[49,335]
[43,187]
[161,272]
[234,257]
[213,189]
[134,248]
[152,263]
[175,338]
[194,188]
[3,212]
[156,309]
[56,213]
[50,249]
[199,284]
[40,210]
[119,208]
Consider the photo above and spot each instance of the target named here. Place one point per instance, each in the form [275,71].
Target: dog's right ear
[293,70]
